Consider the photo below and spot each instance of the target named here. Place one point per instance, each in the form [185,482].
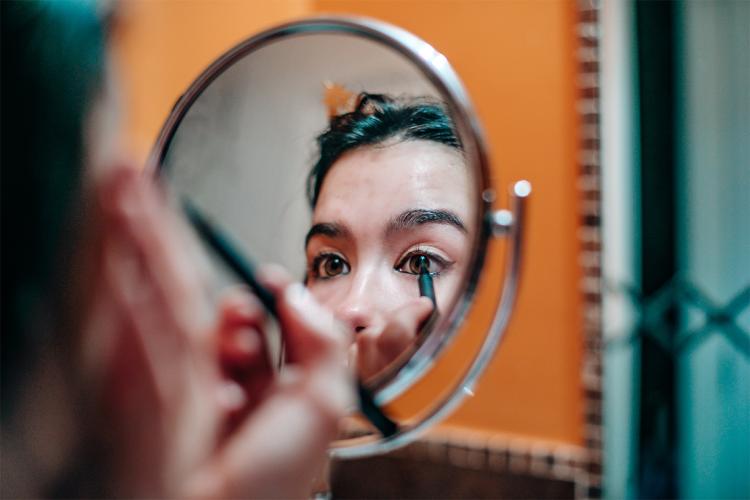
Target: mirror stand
[504,223]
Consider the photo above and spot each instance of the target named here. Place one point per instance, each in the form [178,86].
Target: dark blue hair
[376,119]
[52,63]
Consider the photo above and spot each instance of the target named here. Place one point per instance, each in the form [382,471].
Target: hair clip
[339,100]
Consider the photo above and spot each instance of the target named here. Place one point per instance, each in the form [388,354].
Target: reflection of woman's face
[379,209]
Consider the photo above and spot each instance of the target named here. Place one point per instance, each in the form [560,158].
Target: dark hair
[376,119]
[52,65]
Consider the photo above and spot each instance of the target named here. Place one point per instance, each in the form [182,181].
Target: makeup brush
[245,271]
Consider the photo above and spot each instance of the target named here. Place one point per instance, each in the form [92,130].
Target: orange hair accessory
[338,99]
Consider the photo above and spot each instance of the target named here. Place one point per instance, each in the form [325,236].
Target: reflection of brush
[426,288]
[234,260]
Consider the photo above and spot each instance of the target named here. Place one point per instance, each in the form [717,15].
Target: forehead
[389,179]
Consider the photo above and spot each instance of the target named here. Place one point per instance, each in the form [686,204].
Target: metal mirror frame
[436,69]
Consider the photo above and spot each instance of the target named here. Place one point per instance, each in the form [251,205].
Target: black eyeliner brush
[239,265]
[244,270]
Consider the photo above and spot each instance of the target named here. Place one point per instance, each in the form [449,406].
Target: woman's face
[381,208]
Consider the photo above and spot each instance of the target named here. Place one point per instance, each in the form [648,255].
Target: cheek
[327,293]
[404,287]
[446,288]
[381,293]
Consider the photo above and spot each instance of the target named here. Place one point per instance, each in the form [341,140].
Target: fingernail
[231,396]
[298,296]
[272,274]
[126,194]
[302,301]
[240,303]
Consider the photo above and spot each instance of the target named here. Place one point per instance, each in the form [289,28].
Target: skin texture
[364,268]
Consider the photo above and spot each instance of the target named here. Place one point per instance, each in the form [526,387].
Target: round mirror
[347,151]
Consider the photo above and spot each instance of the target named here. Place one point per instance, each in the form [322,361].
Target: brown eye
[331,265]
[412,263]
[415,263]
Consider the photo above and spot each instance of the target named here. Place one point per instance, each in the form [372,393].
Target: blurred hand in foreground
[193,405]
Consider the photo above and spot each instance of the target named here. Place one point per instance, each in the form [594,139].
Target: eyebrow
[409,219]
[330,229]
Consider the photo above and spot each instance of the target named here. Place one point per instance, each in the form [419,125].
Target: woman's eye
[329,266]
[412,264]
[417,261]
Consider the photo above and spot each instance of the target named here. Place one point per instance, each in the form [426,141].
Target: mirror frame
[437,70]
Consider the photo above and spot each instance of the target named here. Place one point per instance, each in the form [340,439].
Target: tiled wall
[589,483]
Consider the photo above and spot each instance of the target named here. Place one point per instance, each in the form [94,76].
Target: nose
[363,306]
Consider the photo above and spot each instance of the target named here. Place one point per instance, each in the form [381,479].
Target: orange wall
[517,61]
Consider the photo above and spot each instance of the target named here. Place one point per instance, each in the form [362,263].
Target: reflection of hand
[195,409]
[377,346]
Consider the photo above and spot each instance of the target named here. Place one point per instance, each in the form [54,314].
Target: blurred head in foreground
[53,72]
[119,375]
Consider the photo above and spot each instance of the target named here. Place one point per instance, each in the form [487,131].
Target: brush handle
[426,287]
[220,244]
[245,271]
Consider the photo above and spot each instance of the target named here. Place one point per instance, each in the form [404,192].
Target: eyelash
[314,269]
[440,261]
